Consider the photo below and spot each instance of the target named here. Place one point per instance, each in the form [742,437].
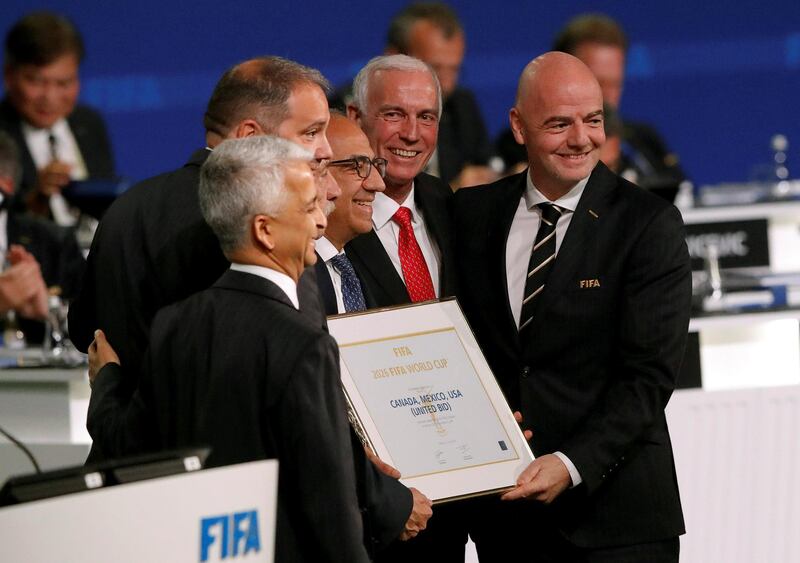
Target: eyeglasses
[363,165]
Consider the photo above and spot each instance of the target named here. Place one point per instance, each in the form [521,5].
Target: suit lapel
[500,227]
[325,285]
[372,257]
[435,223]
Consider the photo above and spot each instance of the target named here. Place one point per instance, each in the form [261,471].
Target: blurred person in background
[60,140]
[39,257]
[601,43]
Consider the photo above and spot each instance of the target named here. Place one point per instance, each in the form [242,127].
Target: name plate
[740,244]
[424,399]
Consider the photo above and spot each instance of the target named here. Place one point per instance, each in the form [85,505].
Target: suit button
[525,372]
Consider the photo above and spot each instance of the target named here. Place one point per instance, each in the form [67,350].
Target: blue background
[716,81]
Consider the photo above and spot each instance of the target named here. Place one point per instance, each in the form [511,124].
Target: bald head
[558,116]
[341,131]
[550,71]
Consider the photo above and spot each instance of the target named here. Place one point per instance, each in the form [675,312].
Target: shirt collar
[284,282]
[58,128]
[384,208]
[325,249]
[568,201]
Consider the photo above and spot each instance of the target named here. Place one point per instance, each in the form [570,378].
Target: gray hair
[243,178]
[9,157]
[403,63]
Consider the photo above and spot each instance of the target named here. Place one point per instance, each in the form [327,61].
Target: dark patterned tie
[542,257]
[412,262]
[352,295]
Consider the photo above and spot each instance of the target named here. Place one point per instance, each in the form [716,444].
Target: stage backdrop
[717,81]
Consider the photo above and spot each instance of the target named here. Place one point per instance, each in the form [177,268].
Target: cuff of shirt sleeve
[573,471]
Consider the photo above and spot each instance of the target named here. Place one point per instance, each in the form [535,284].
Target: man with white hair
[232,366]
[407,257]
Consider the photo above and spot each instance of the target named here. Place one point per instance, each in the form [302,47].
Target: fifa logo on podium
[229,535]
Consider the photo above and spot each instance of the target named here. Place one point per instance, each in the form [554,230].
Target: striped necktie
[542,257]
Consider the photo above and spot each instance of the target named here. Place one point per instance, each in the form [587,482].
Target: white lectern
[224,514]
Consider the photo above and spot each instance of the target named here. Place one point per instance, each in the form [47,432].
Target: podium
[218,514]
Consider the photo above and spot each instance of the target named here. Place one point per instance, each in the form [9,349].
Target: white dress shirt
[284,282]
[66,149]
[383,208]
[518,253]
[523,234]
[327,251]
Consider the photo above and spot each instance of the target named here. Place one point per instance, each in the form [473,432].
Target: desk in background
[45,408]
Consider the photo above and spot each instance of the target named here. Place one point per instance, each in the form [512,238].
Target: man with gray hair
[233,365]
[407,255]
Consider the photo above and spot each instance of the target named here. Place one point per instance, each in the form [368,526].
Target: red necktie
[415,270]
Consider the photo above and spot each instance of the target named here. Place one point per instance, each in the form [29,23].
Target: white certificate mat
[427,401]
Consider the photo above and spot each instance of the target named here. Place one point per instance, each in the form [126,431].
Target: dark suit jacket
[434,200]
[387,501]
[152,248]
[463,138]
[594,371]
[238,368]
[647,153]
[90,133]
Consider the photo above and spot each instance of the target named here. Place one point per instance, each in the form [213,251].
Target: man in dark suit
[59,139]
[359,175]
[579,293]
[240,368]
[407,257]
[153,246]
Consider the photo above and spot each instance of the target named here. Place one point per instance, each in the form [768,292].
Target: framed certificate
[424,399]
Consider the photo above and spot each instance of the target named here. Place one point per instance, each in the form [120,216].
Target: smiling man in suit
[579,294]
[407,256]
[153,246]
[240,368]
[360,177]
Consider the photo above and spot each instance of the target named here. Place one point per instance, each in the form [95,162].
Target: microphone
[21,446]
